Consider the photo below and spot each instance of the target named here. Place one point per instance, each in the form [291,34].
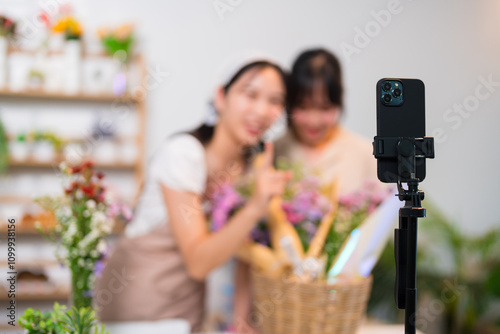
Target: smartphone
[400,113]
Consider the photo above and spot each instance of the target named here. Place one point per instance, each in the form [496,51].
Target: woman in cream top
[158,270]
[315,139]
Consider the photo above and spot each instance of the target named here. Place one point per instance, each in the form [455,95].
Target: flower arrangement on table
[307,238]
[85,216]
[70,26]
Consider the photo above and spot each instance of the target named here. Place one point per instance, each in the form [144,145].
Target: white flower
[79,194]
[101,246]
[86,213]
[91,204]
[94,253]
[81,262]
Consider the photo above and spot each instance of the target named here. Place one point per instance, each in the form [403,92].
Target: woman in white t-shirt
[157,271]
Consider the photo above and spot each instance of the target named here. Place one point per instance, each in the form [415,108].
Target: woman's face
[251,104]
[314,119]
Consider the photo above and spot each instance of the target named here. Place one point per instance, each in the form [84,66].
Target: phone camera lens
[387,98]
[387,86]
[396,93]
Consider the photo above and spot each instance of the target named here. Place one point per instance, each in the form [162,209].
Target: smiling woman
[315,139]
[169,251]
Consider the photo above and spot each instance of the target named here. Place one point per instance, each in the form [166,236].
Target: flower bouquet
[85,216]
[297,249]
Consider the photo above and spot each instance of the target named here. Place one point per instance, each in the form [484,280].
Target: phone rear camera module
[387,98]
[391,93]
[387,86]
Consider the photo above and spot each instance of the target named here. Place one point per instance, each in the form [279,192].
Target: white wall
[448,44]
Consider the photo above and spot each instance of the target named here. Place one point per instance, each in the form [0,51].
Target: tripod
[406,150]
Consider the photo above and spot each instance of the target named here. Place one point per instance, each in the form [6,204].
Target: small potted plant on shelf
[19,147]
[118,43]
[46,145]
[72,31]
[7,32]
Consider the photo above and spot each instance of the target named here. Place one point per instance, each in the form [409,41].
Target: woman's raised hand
[269,181]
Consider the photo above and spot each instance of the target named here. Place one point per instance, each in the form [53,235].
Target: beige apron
[145,279]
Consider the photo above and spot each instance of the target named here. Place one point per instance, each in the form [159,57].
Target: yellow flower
[69,25]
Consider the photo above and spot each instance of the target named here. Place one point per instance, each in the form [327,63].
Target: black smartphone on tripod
[400,113]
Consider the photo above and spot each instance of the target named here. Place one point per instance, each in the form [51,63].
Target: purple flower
[225,200]
[99,268]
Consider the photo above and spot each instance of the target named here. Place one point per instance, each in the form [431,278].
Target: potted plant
[46,145]
[118,43]
[60,321]
[72,31]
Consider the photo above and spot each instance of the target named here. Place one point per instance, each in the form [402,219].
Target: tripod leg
[411,278]
[400,254]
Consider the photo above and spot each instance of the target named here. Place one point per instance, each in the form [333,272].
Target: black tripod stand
[407,151]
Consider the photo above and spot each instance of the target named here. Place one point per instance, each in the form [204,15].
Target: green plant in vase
[85,217]
[118,42]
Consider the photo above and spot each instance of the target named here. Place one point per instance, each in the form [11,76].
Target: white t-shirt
[178,164]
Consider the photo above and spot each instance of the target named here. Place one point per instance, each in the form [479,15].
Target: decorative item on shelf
[19,148]
[118,43]
[72,30]
[36,79]
[85,217]
[7,32]
[46,145]
[294,249]
[103,133]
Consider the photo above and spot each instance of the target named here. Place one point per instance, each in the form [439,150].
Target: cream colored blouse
[346,155]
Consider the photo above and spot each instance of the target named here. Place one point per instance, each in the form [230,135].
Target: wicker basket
[286,306]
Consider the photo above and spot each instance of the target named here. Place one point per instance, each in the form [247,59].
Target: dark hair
[310,68]
[204,133]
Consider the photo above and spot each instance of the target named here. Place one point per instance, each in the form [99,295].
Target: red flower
[100,175]
[88,164]
[76,169]
[88,190]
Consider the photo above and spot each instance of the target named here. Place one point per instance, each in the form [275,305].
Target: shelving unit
[28,233]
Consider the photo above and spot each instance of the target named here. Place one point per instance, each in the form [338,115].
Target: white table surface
[382,329]
[370,329]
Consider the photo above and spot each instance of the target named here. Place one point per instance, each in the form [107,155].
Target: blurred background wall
[452,45]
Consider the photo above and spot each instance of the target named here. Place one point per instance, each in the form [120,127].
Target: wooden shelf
[55,293]
[30,162]
[39,264]
[40,94]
